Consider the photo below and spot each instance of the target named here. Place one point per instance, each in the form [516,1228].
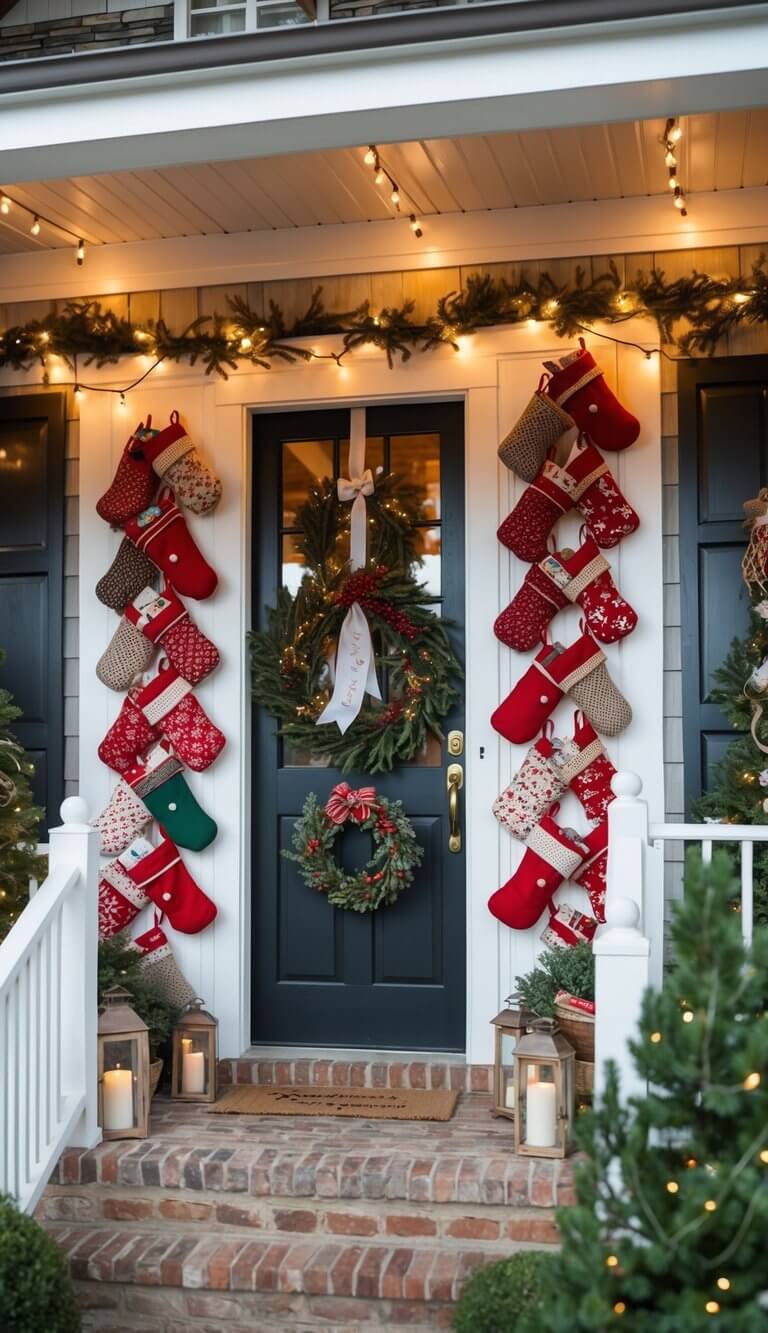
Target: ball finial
[622,913]
[626,784]
[74,810]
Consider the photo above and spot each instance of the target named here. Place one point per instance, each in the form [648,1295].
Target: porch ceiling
[720,151]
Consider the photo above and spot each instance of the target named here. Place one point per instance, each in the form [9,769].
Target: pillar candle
[541,1115]
[193,1072]
[118,1099]
[509,1094]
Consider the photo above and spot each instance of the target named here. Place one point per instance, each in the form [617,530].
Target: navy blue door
[322,976]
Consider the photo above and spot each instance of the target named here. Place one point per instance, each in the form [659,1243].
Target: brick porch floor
[254,1222]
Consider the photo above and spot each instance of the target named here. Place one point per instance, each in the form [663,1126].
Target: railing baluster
[5,1087]
[22,1030]
[747,895]
[45,1039]
[33,1057]
[706,851]
[56,1021]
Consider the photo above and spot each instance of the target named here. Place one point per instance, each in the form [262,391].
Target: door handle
[454,781]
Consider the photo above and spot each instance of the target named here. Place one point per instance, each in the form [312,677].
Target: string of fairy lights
[383,176]
[11,208]
[669,141]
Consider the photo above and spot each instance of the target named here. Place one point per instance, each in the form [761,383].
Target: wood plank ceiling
[717,152]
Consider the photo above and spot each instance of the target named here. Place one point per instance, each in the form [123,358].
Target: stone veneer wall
[86,32]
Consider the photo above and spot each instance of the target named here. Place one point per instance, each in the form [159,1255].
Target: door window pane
[416,458]
[305,462]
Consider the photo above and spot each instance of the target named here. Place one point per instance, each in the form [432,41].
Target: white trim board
[608,226]
[494,375]
[620,70]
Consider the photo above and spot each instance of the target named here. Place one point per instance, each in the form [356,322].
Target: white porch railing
[629,948]
[48,1014]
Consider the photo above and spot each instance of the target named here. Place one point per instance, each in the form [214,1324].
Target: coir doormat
[361,1103]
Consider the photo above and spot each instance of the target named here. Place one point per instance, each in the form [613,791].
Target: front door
[396,978]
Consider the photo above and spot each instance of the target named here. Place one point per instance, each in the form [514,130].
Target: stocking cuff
[585,482]
[559,855]
[580,372]
[172,451]
[155,627]
[146,778]
[571,666]
[587,575]
[152,523]
[582,760]
[162,694]
[119,879]
[556,484]
[156,864]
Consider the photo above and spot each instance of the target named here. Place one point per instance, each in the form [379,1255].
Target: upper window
[214,18]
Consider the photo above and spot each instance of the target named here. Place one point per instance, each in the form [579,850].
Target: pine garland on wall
[82,333]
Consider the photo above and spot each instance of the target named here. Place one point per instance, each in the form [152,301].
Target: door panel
[723,462]
[394,978]
[32,437]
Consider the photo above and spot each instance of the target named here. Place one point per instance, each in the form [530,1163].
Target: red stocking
[526,529]
[591,876]
[523,622]
[607,514]
[588,770]
[580,388]
[133,485]
[163,619]
[551,856]
[129,735]
[589,582]
[119,898]
[163,877]
[163,535]
[168,704]
[568,926]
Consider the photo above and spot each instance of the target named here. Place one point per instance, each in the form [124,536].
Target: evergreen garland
[83,333]
[414,655]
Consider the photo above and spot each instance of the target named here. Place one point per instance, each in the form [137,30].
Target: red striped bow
[344,803]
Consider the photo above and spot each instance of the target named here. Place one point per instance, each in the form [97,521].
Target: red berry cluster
[361,586]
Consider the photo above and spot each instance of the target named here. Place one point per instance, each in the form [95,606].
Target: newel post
[75,845]
[622,952]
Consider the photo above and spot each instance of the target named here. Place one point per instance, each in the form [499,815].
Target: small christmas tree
[670,1229]
[738,791]
[19,819]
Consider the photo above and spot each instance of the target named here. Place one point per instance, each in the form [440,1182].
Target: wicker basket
[579,1028]
[585,1078]
[155,1074]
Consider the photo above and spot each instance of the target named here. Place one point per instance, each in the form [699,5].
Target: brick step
[482,1224]
[397,1072]
[165,1278]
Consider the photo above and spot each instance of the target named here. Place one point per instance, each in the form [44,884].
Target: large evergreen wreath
[396,853]
[414,656]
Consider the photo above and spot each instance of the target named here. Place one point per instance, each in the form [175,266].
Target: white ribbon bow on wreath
[354,673]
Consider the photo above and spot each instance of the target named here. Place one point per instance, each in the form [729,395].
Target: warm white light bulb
[673,182]
[35,228]
[676,134]
[5,204]
[370,157]
[679,202]
[670,159]
[380,177]
[395,195]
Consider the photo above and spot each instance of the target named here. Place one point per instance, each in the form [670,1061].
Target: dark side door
[32,439]
[323,976]
[723,423]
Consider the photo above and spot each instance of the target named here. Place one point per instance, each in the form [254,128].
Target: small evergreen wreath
[396,853]
[414,654]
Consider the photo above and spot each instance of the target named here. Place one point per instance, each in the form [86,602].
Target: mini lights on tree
[669,140]
[545,1091]
[123,1068]
[509,1026]
[193,1071]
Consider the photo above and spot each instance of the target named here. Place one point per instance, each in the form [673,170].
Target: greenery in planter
[558,969]
[121,966]
[506,1297]
[36,1295]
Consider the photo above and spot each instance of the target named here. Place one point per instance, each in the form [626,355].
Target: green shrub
[121,966]
[36,1295]
[558,969]
[505,1297]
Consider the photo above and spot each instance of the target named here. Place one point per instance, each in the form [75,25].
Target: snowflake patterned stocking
[568,926]
[129,736]
[550,495]
[133,486]
[122,819]
[120,900]
[176,460]
[587,769]
[591,876]
[162,877]
[579,387]
[606,512]
[162,534]
[161,618]
[534,788]
[521,624]
[585,577]
[167,703]
[551,855]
